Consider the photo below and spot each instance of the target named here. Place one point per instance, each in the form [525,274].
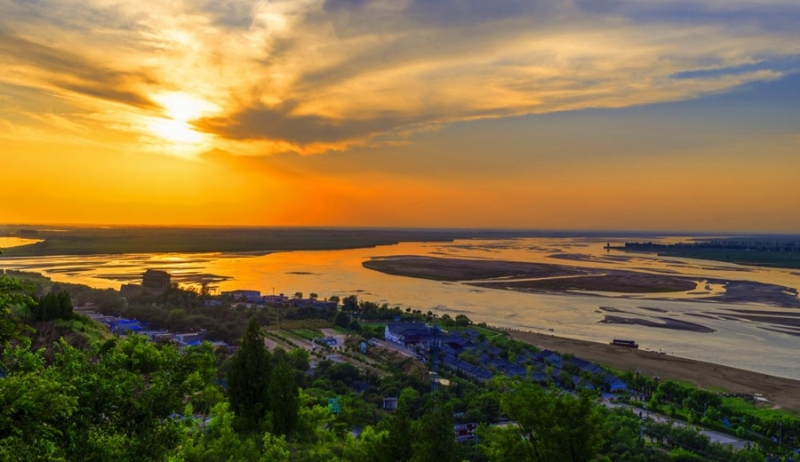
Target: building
[408,333]
[390,404]
[189,339]
[275,299]
[250,296]
[614,384]
[156,335]
[154,282]
[313,303]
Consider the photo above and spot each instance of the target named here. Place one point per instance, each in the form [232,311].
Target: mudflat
[780,391]
[527,277]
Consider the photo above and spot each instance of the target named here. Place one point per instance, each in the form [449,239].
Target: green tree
[65,308]
[249,377]
[285,399]
[552,426]
[401,430]
[350,303]
[342,319]
[13,294]
[435,439]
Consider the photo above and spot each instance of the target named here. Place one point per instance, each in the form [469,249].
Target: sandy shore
[779,391]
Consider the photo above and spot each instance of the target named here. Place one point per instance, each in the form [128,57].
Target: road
[714,436]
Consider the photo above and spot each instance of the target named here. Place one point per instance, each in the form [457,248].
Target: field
[782,393]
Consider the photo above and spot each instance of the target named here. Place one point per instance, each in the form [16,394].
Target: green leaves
[13,295]
[249,378]
[551,426]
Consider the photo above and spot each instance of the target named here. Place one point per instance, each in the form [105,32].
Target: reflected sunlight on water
[737,343]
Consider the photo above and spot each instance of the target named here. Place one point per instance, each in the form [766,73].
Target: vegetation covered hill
[129,399]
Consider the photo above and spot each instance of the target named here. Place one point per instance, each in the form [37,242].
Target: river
[735,342]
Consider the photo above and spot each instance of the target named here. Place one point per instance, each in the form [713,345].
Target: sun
[180,109]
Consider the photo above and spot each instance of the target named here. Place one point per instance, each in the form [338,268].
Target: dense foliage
[129,399]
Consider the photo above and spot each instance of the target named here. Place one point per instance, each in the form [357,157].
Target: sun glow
[179,110]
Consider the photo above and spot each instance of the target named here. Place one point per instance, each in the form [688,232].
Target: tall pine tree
[249,377]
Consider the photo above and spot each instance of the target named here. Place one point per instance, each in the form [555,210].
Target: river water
[736,342]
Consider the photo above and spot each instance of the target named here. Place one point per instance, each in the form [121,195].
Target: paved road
[714,436]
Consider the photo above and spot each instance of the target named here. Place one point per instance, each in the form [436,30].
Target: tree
[249,377]
[342,319]
[462,320]
[435,441]
[12,294]
[54,305]
[285,399]
[313,296]
[298,295]
[552,426]
[350,303]
[400,428]
[447,320]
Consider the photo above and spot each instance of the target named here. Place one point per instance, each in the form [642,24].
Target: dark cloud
[236,14]
[260,122]
[73,73]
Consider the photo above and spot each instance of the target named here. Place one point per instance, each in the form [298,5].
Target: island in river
[555,278]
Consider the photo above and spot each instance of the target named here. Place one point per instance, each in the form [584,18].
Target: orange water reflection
[735,343]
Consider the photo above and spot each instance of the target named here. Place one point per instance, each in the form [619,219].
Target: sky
[674,115]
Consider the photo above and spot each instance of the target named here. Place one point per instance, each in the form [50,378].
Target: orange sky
[376,113]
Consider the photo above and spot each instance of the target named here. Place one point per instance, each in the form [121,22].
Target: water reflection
[736,342]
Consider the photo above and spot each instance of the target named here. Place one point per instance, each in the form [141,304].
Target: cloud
[48,66]
[261,122]
[311,75]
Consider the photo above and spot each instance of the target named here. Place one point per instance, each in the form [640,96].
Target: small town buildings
[189,339]
[250,296]
[275,299]
[389,404]
[407,334]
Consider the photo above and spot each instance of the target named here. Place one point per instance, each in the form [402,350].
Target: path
[714,436]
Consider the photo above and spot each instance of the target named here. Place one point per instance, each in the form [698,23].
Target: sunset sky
[574,114]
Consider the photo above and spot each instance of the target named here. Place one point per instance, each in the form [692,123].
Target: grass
[93,331]
[743,406]
[307,334]
[486,331]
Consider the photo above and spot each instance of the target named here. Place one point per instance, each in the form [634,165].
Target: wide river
[736,342]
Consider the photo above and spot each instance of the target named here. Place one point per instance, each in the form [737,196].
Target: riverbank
[781,393]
